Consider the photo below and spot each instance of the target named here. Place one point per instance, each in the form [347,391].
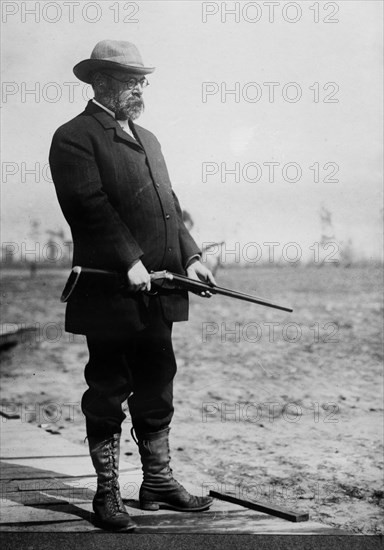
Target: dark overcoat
[116,195]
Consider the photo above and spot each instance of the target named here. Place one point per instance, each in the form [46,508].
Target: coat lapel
[107,121]
[124,136]
[145,143]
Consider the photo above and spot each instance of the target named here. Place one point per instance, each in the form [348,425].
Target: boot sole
[106,527]
[154,506]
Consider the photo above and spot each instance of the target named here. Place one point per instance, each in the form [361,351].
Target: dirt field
[272,405]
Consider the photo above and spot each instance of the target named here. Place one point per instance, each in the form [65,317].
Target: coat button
[167,216]
[169,249]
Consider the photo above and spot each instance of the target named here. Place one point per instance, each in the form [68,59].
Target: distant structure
[327,230]
[347,255]
[330,250]
[34,235]
[51,253]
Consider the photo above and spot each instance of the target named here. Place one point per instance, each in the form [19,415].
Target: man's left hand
[198,271]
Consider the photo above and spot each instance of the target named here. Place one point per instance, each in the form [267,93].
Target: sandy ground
[283,407]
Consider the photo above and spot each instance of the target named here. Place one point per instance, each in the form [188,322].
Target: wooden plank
[78,517]
[78,526]
[23,473]
[10,459]
[234,522]
[42,498]
[20,472]
[80,465]
[55,486]
[58,512]
[66,526]
[20,440]
[75,466]
[264,507]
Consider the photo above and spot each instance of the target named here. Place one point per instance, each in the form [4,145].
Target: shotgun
[161,280]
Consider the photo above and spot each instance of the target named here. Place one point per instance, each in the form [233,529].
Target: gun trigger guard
[150,292]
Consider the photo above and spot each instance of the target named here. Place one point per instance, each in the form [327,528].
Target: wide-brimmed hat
[112,54]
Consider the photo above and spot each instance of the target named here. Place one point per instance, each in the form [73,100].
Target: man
[113,187]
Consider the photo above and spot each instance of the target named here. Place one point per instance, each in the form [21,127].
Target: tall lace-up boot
[159,488]
[107,503]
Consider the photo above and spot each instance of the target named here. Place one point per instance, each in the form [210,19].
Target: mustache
[135,98]
[132,101]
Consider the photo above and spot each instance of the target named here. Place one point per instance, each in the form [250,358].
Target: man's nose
[138,89]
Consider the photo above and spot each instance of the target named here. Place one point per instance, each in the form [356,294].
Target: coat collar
[107,121]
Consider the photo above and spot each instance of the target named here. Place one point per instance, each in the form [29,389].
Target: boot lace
[114,495]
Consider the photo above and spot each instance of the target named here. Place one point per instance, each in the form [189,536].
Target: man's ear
[98,82]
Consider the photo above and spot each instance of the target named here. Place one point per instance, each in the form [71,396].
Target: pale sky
[335,127]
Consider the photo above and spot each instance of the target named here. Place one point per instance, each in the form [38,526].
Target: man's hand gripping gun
[160,280]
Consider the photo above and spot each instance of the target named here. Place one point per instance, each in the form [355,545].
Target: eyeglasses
[132,82]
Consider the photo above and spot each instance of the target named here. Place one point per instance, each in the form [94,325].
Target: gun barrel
[190,284]
[250,298]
